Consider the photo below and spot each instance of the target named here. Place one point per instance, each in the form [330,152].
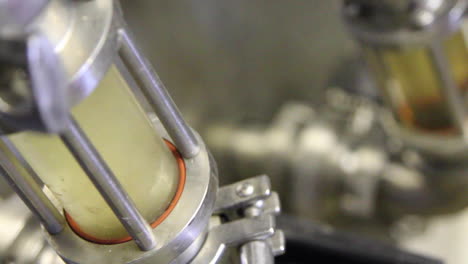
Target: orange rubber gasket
[406,114]
[182,176]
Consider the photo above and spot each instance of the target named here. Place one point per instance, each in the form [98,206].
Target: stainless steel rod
[29,189]
[256,251]
[451,90]
[158,97]
[108,186]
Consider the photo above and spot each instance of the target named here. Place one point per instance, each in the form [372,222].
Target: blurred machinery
[385,154]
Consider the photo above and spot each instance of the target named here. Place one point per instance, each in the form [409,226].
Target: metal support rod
[158,97]
[108,186]
[451,90]
[28,189]
[258,251]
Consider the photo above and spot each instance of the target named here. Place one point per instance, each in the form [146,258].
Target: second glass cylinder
[412,86]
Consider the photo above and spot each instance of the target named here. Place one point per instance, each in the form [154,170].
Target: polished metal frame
[82,39]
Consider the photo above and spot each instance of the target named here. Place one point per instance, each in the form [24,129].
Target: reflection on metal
[28,188]
[250,225]
[235,231]
[158,97]
[53,55]
[345,160]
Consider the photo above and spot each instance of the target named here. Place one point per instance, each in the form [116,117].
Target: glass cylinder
[126,139]
[412,85]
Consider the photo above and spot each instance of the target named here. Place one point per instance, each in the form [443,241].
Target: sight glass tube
[127,141]
[410,79]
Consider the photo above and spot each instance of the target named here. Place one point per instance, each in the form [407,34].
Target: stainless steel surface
[229,196]
[186,224]
[158,97]
[55,37]
[48,81]
[418,13]
[240,61]
[15,218]
[406,23]
[23,240]
[29,190]
[256,252]
[15,15]
[390,27]
[277,243]
[66,24]
[234,234]
[244,221]
[182,233]
[272,204]
[108,185]
[206,249]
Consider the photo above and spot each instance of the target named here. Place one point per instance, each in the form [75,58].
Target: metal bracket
[256,206]
[277,243]
[234,234]
[242,194]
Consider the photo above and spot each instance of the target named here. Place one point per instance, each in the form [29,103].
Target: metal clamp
[250,208]
[242,194]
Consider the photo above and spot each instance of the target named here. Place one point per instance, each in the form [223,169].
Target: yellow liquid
[127,141]
[412,85]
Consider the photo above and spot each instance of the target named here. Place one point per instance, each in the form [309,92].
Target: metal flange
[253,229]
[180,234]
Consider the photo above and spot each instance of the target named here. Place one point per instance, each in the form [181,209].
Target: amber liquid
[412,86]
[428,115]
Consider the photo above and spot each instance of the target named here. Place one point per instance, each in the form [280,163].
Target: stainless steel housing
[69,47]
[186,223]
[380,25]
[400,23]
[86,38]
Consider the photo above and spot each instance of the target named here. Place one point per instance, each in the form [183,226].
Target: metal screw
[245,189]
